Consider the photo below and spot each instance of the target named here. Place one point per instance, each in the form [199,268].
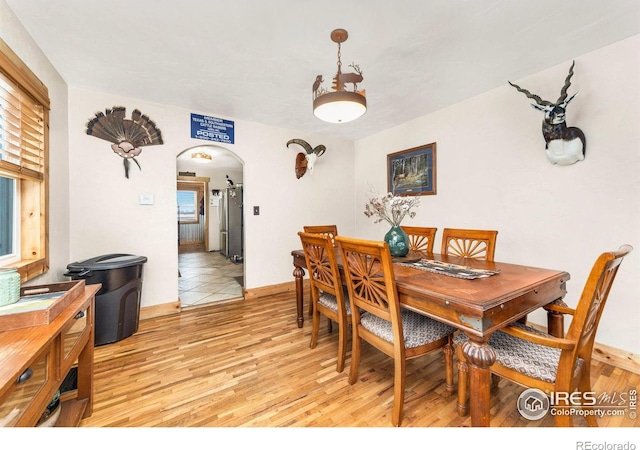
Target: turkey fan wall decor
[126,135]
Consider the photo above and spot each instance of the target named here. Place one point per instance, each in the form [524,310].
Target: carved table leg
[298,273]
[480,356]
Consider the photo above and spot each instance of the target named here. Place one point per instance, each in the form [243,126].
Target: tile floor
[207,277]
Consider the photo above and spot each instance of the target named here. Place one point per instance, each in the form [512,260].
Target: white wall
[106,216]
[12,32]
[492,172]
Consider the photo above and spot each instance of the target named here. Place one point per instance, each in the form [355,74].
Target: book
[31,303]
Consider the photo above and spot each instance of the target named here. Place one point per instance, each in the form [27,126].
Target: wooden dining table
[478,307]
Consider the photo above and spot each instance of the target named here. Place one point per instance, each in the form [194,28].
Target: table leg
[298,273]
[555,320]
[480,356]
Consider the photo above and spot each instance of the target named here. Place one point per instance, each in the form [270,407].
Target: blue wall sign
[211,129]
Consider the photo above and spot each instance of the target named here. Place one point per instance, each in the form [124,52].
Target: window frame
[33,191]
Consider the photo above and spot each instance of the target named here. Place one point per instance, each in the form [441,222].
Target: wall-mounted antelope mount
[305,162]
[564,145]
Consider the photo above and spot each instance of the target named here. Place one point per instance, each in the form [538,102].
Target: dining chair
[479,244]
[328,295]
[535,359]
[378,319]
[329,230]
[421,239]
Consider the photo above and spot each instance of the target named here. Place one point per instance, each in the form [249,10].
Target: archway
[213,270]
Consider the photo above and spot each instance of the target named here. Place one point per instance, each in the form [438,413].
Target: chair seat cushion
[330,301]
[534,360]
[417,329]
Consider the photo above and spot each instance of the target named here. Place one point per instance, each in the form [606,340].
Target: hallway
[207,277]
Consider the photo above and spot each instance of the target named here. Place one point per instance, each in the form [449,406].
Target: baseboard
[166,309]
[163,309]
[274,289]
[616,357]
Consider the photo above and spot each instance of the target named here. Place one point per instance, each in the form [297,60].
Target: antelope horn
[567,83]
[538,100]
[319,150]
[301,143]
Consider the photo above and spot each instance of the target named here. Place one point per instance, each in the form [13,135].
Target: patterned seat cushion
[417,329]
[331,302]
[534,360]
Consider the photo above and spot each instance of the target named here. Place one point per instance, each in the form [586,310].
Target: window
[187,206]
[24,140]
[8,219]
[190,199]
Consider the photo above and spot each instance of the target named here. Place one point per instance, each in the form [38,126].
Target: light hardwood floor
[246,364]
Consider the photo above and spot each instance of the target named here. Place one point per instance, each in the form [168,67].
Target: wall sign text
[211,129]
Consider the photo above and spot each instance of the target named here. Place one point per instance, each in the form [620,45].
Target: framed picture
[412,171]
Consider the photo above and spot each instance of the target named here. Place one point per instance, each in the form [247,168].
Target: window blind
[22,133]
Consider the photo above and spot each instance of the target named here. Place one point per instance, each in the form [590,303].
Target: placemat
[451,270]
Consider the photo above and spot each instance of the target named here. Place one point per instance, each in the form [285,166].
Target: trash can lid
[110,261]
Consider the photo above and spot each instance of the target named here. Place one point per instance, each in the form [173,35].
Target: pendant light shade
[340,105]
[201,157]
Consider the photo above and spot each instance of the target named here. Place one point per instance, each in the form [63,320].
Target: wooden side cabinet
[35,360]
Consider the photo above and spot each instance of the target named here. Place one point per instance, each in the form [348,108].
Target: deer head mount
[564,145]
[305,162]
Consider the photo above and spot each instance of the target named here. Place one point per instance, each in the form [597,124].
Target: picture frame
[412,171]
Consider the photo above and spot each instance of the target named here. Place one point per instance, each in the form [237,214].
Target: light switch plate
[146,199]
[256,210]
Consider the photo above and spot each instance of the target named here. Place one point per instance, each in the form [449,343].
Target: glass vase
[397,240]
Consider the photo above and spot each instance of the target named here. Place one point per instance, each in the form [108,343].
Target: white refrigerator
[231,226]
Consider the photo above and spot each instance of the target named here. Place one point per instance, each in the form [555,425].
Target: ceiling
[221,158]
[257,60]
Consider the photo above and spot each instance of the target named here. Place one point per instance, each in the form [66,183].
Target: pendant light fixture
[201,157]
[339,105]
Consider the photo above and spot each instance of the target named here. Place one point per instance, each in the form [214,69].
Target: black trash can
[118,300]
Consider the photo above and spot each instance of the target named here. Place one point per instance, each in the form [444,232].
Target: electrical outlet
[256,210]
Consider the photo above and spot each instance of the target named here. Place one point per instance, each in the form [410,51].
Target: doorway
[207,273]
[192,216]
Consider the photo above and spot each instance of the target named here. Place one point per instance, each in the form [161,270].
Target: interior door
[194,231]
